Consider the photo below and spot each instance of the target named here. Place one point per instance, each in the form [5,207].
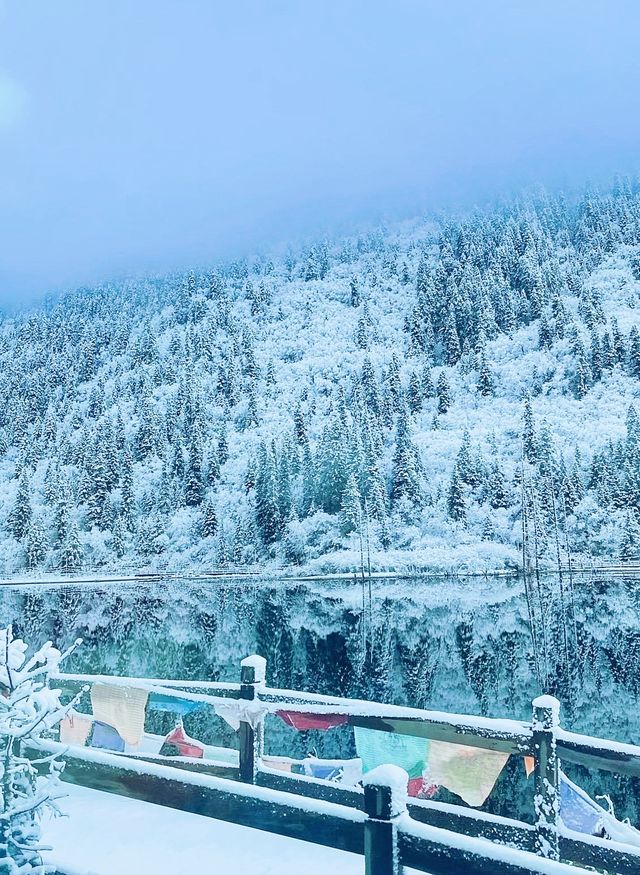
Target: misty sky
[152,134]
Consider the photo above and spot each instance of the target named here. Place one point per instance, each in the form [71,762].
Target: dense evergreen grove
[402,393]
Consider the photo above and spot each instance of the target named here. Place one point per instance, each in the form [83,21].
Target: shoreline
[285,575]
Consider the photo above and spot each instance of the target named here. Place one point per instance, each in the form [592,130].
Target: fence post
[253,671]
[385,799]
[546,719]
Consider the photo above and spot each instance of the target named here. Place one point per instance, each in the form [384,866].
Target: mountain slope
[405,392]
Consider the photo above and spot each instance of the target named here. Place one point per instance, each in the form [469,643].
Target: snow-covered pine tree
[456,505]
[486,385]
[36,544]
[209,521]
[20,516]
[529,437]
[444,393]
[630,540]
[351,506]
[405,476]
[70,558]
[414,393]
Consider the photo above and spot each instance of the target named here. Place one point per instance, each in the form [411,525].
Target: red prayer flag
[301,721]
[421,789]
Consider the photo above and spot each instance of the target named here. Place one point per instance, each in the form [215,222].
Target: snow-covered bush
[28,709]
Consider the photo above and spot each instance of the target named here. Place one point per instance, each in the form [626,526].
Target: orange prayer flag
[529,765]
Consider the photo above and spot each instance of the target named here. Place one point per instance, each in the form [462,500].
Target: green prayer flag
[376,748]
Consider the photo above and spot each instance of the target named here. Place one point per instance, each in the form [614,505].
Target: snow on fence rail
[446,825]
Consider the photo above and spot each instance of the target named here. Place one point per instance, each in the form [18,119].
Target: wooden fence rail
[542,738]
[385,832]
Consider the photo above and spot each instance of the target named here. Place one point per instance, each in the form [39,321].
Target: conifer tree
[271,374]
[118,538]
[300,426]
[223,447]
[20,516]
[209,521]
[428,390]
[630,540]
[634,352]
[354,290]
[456,505]
[486,385]
[545,335]
[308,482]
[529,437]
[267,518]
[351,506]
[36,546]
[444,393]
[362,334]
[496,487]
[126,487]
[283,486]
[414,393]
[70,558]
[405,480]
[331,466]
[581,376]
[451,340]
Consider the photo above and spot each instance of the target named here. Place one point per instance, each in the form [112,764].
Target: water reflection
[462,646]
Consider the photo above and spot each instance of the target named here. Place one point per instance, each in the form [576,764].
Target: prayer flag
[178,743]
[577,810]
[301,721]
[75,728]
[165,702]
[106,737]
[378,748]
[469,772]
[120,707]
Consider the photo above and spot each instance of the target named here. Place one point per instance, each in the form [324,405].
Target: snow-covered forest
[402,394]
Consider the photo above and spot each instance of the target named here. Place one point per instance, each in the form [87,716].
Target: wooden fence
[377,821]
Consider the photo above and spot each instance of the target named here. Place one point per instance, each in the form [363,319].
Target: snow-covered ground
[111,835]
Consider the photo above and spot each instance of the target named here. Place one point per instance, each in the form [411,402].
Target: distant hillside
[408,389]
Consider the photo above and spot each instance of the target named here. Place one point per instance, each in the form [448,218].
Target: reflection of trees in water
[413,651]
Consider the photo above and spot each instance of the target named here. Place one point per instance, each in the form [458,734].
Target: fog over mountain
[153,136]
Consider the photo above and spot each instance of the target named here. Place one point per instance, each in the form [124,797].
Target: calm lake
[463,646]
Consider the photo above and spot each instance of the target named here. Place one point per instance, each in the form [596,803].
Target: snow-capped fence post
[253,672]
[385,800]
[546,719]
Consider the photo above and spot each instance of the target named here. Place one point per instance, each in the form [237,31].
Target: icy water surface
[462,646]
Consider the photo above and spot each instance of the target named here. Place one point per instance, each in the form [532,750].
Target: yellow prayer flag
[123,708]
[469,772]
